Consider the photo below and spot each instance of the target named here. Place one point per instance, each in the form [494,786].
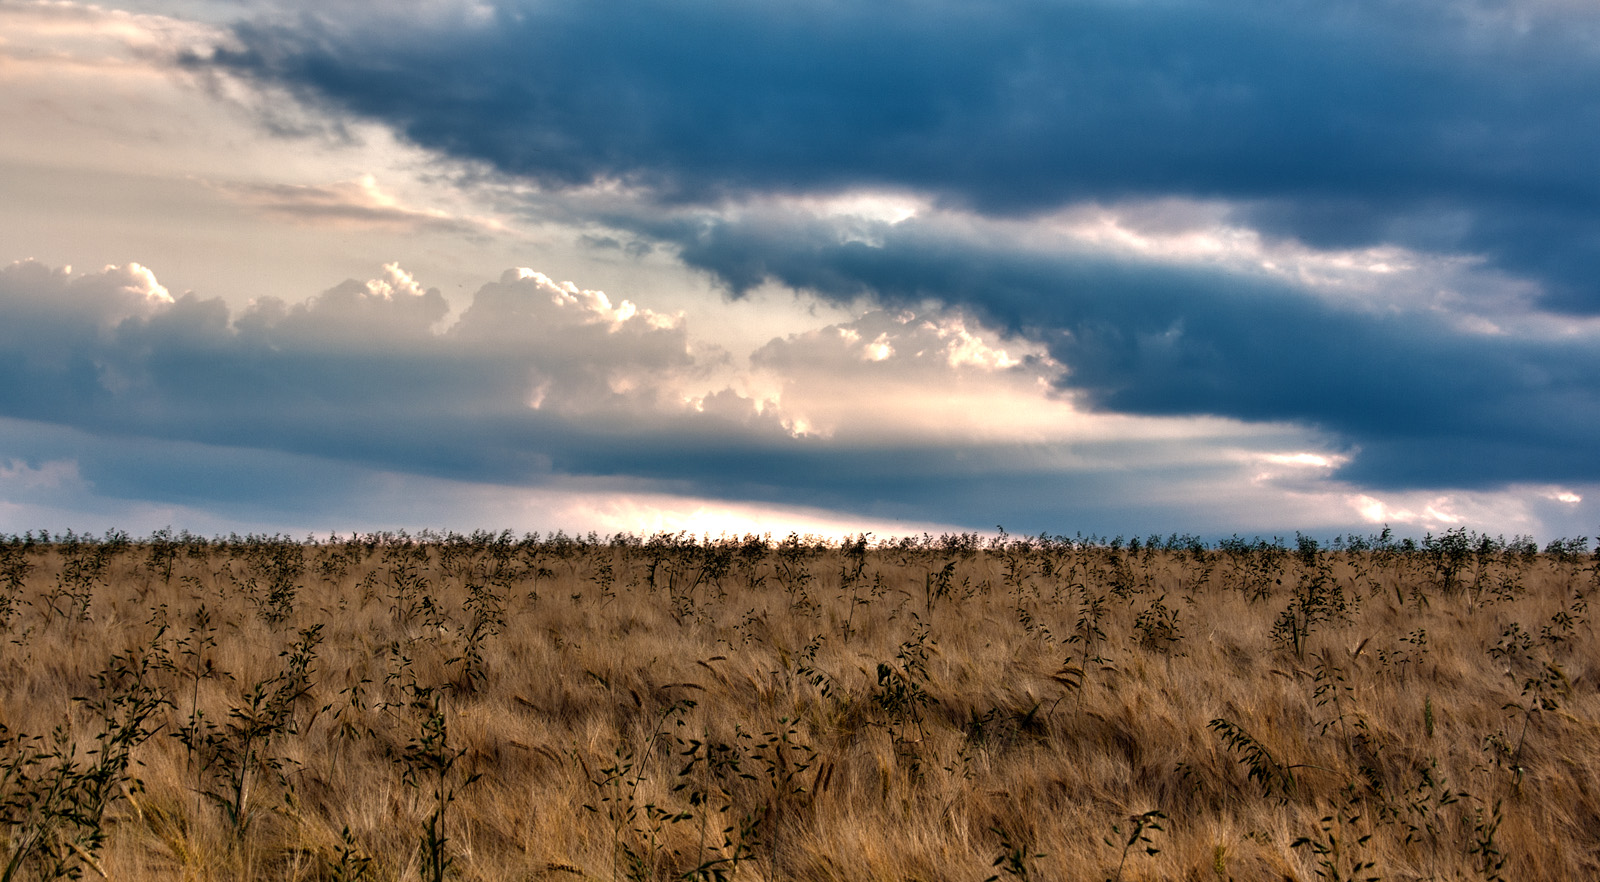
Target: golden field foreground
[491,707]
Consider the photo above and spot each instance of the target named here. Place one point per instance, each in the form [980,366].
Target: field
[393,707]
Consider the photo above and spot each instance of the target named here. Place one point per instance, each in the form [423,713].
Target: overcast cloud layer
[1099,266]
[1442,126]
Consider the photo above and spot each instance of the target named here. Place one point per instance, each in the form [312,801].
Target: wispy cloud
[359,203]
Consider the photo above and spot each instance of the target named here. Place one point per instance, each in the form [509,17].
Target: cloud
[141,485]
[359,203]
[1061,366]
[901,377]
[359,368]
[1377,222]
[266,411]
[47,36]
[1201,264]
[1424,390]
[47,478]
[1465,128]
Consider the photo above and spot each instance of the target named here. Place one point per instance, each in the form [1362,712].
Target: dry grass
[483,708]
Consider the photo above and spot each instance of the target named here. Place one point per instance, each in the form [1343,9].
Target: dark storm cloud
[1425,404]
[1448,126]
[1463,128]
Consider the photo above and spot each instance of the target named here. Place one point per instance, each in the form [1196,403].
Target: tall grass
[393,707]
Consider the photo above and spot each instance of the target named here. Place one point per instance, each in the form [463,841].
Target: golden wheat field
[492,707]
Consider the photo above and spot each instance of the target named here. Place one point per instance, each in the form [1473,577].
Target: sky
[1059,266]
